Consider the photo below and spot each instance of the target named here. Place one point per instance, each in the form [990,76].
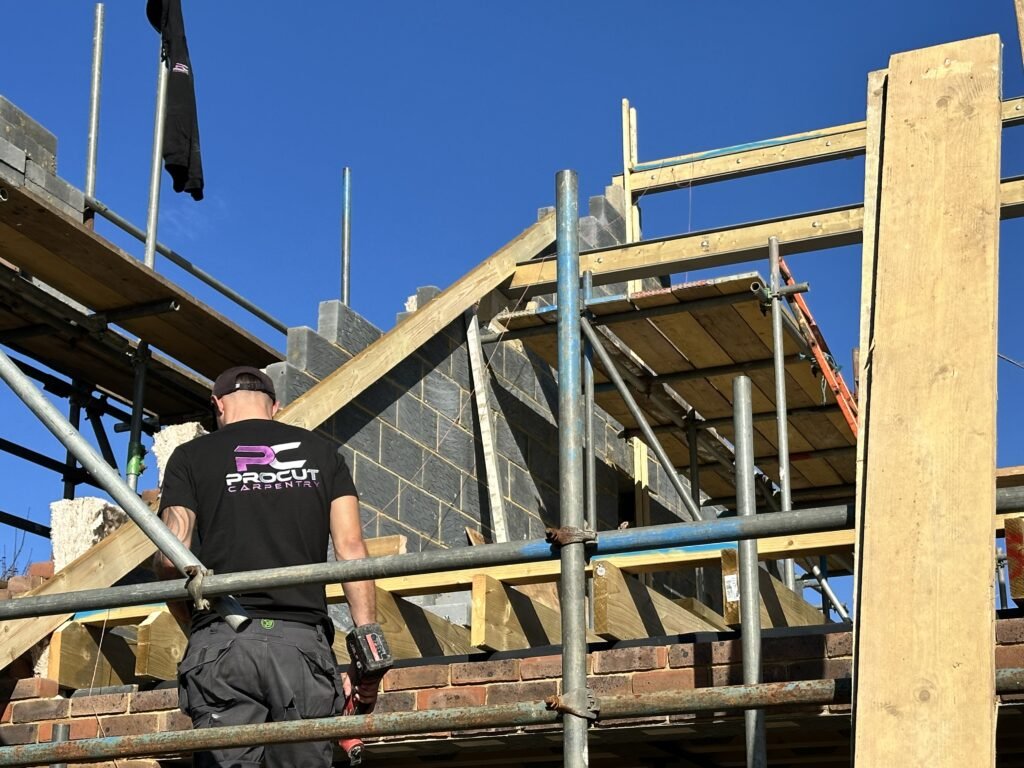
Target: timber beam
[817,231]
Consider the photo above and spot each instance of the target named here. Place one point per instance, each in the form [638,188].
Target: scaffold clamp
[194,584]
[580,702]
[569,535]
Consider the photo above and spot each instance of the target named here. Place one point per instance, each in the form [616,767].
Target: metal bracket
[194,584]
[580,702]
[569,535]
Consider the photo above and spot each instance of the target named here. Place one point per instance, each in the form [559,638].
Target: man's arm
[347,535]
[181,521]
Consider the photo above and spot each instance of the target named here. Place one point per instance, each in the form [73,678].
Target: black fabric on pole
[181,126]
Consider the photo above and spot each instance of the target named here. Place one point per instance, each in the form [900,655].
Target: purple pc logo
[265,456]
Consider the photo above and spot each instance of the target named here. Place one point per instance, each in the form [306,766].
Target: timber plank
[414,632]
[1015,557]
[339,388]
[930,699]
[506,619]
[99,567]
[160,645]
[780,606]
[626,609]
[82,265]
[89,657]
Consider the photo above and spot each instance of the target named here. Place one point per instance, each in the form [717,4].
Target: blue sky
[454,117]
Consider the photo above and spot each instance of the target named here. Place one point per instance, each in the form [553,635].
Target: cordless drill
[371,658]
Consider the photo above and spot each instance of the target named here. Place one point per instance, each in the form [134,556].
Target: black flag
[181,127]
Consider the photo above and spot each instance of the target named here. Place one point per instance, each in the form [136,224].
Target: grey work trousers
[272,670]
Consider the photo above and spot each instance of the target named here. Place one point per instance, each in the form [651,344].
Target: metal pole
[726,530]
[691,439]
[150,524]
[176,258]
[591,462]
[570,465]
[782,420]
[136,453]
[823,565]
[1001,577]
[346,233]
[59,734]
[153,212]
[826,591]
[664,703]
[641,420]
[92,148]
[750,590]
[75,418]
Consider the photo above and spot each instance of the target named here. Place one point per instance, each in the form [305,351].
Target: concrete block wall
[28,158]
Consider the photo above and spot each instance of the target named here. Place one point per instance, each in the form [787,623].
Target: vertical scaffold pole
[92,148]
[570,445]
[70,463]
[750,591]
[153,211]
[136,453]
[591,462]
[781,415]
[346,233]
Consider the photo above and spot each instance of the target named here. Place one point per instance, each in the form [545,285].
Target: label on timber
[732,588]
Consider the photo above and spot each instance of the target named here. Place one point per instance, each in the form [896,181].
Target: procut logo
[285,474]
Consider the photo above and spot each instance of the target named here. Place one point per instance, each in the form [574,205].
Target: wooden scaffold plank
[930,416]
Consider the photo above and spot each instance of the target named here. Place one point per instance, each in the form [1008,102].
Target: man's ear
[218,408]
[275,408]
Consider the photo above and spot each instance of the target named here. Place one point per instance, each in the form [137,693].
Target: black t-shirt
[262,493]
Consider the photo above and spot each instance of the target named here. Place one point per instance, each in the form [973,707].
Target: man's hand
[364,694]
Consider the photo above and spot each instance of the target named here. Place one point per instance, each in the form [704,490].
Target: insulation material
[77,524]
[169,438]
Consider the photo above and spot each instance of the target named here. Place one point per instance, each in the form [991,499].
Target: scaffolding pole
[722,699]
[92,148]
[570,465]
[153,210]
[92,462]
[750,590]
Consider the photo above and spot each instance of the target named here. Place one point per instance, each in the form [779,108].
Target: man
[260,494]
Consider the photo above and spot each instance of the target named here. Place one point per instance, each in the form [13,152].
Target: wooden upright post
[924,671]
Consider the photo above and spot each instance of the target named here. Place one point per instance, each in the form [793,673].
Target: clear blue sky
[454,117]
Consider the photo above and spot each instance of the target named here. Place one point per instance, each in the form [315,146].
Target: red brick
[405,678]
[398,701]
[610,685]
[539,667]
[1009,656]
[175,720]
[40,709]
[630,659]
[681,655]
[792,647]
[514,693]
[839,644]
[45,732]
[5,594]
[446,698]
[504,671]
[8,709]
[731,674]
[726,652]
[837,669]
[27,688]
[104,704]
[130,725]
[663,680]
[1009,631]
[26,733]
[84,728]
[150,701]
[19,584]
[42,569]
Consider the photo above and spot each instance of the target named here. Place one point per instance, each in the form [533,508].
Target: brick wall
[31,707]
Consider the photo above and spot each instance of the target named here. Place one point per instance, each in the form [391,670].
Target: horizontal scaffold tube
[725,698]
[537,550]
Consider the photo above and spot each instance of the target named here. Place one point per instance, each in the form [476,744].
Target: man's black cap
[228,382]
